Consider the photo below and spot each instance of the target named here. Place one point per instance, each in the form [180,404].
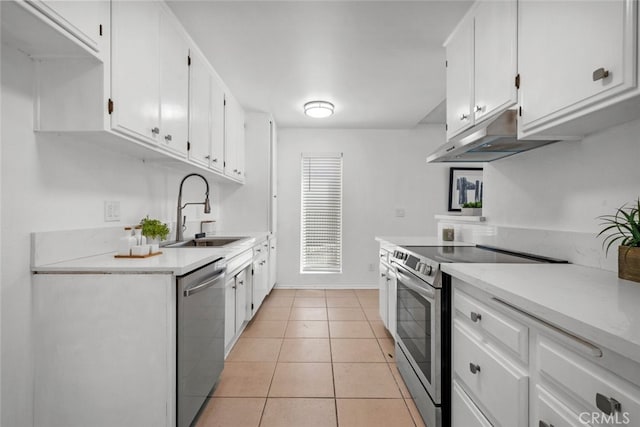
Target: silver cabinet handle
[474,368]
[155,130]
[383,275]
[476,317]
[168,138]
[235,170]
[464,117]
[608,405]
[258,250]
[241,282]
[543,424]
[233,287]
[214,160]
[600,74]
[478,109]
[207,157]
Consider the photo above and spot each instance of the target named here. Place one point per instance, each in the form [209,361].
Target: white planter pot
[471,211]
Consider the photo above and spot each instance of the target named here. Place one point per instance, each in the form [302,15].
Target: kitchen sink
[204,242]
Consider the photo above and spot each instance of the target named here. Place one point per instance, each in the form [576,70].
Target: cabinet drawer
[548,410]
[495,384]
[464,412]
[594,385]
[503,329]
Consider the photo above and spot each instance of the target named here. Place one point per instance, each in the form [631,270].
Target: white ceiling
[380,62]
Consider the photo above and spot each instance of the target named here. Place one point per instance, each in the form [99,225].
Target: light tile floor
[313,358]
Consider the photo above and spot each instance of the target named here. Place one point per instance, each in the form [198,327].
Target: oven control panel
[414,263]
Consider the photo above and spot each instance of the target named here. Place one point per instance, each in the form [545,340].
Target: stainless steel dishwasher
[200,340]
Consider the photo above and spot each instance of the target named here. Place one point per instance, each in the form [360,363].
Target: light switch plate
[111,211]
[400,212]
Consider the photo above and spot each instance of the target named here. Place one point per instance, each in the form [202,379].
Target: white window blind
[321,234]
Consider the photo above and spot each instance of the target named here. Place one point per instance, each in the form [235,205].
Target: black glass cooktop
[478,254]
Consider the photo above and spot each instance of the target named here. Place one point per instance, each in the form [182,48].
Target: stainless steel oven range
[423,335]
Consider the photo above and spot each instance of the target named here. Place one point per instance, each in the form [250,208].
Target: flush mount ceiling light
[318,109]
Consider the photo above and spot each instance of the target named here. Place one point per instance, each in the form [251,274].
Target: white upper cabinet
[234,139]
[135,77]
[460,79]
[481,65]
[86,20]
[174,85]
[495,57]
[576,58]
[206,115]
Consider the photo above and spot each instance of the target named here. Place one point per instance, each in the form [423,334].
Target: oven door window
[414,327]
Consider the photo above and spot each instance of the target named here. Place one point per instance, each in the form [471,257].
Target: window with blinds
[321,194]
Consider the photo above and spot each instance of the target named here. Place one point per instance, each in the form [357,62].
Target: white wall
[383,170]
[566,185]
[52,183]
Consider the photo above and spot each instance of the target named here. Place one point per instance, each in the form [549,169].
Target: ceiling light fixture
[318,109]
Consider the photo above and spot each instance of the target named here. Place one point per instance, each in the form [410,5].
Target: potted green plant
[472,208]
[154,229]
[623,227]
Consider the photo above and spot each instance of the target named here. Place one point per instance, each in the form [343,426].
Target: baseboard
[325,286]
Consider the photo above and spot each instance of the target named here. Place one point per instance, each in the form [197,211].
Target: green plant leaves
[623,227]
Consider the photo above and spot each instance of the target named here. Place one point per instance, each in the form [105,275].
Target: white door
[81,18]
[174,86]
[241,299]
[200,108]
[460,79]
[495,56]
[217,125]
[561,44]
[135,83]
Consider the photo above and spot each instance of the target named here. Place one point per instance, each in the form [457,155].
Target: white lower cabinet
[260,275]
[104,350]
[565,380]
[464,412]
[237,297]
[387,287]
[498,386]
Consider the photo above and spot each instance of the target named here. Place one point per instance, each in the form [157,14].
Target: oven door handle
[409,282]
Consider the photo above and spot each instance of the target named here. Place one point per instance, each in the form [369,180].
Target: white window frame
[333,266]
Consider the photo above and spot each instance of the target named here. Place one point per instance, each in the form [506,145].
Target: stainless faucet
[207,207]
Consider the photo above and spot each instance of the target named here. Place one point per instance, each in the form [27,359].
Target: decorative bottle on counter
[127,241]
[140,239]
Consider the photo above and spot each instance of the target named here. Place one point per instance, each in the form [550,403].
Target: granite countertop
[177,261]
[592,303]
[418,241]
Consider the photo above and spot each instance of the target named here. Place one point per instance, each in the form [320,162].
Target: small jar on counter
[126,242]
[140,239]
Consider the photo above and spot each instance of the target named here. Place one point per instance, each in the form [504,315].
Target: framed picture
[465,185]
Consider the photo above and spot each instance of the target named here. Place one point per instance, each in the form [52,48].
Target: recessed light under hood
[492,140]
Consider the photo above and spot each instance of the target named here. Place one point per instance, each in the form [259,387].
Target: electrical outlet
[400,213]
[111,211]
[371,267]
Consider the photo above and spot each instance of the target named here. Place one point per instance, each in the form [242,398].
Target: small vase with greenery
[154,229]
[472,208]
[623,227]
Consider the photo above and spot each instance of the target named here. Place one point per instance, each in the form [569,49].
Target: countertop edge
[590,332]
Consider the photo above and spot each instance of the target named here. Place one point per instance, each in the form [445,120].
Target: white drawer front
[586,380]
[509,332]
[548,410]
[496,385]
[464,412]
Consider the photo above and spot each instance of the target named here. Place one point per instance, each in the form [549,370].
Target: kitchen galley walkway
[313,358]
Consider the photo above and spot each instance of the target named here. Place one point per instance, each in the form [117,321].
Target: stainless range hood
[492,140]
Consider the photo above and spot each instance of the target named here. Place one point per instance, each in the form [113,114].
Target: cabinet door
[229,312]
[135,81]
[81,18]
[200,108]
[393,300]
[174,86]
[234,138]
[260,281]
[495,64]
[561,44]
[383,294]
[549,410]
[217,125]
[241,300]
[273,257]
[460,79]
[464,412]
